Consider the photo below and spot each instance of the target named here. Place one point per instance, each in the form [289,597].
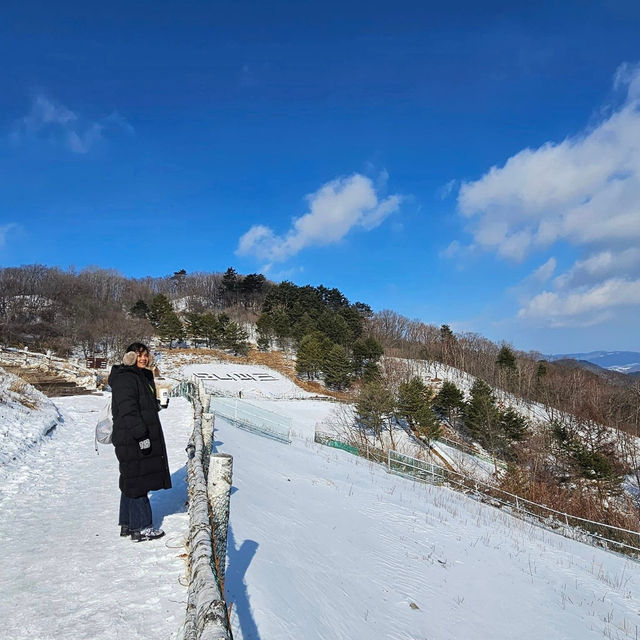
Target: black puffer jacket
[135,418]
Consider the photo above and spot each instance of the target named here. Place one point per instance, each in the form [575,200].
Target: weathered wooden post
[207,439]
[206,616]
[219,492]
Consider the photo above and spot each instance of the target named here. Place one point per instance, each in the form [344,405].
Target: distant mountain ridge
[621,361]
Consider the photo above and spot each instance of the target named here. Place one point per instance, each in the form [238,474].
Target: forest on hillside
[575,462]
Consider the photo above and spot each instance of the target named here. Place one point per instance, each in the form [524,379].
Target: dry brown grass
[274,360]
[20,388]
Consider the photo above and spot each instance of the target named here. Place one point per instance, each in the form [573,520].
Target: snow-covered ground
[26,416]
[66,573]
[322,546]
[250,380]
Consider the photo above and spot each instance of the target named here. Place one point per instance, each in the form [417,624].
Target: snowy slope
[26,417]
[325,546]
[322,546]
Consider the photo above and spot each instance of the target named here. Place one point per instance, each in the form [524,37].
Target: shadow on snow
[169,501]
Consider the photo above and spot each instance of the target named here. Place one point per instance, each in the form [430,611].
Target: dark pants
[135,513]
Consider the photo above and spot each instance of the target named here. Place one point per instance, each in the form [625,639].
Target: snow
[254,381]
[326,545]
[66,573]
[322,545]
[26,417]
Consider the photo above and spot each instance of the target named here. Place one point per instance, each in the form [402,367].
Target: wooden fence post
[219,491]
[207,439]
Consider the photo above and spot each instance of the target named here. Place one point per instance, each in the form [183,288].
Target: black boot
[124,531]
[146,534]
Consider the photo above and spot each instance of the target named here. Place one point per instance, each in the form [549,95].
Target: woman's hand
[145,446]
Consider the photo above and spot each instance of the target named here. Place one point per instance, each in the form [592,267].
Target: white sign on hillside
[245,380]
[257,377]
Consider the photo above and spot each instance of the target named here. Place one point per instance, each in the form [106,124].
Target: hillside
[321,545]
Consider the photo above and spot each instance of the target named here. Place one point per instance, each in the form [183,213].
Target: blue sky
[463,164]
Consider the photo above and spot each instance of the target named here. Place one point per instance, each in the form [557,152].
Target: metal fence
[252,418]
[185,389]
[362,450]
[566,524]
[414,468]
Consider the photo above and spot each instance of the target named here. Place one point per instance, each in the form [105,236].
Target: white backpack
[104,426]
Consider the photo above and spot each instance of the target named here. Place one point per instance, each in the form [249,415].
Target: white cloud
[452,250]
[587,305]
[545,271]
[600,266]
[584,191]
[334,210]
[447,189]
[53,122]
[5,229]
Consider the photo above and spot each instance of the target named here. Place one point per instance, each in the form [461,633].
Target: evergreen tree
[310,357]
[413,397]
[159,307]
[236,338]
[371,372]
[482,416]
[305,326]
[231,281]
[335,327]
[449,401]
[513,425]
[140,309]
[170,328]
[447,343]
[281,326]
[210,328]
[541,371]
[266,332]
[427,424]
[194,327]
[506,359]
[365,351]
[336,368]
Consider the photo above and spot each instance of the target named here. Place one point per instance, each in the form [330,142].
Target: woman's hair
[137,347]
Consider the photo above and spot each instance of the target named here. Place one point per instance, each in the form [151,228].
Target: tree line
[101,311]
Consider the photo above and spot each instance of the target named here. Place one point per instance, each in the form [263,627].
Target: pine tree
[310,357]
[210,328]
[159,307]
[194,327]
[449,401]
[264,344]
[513,425]
[236,339]
[481,415]
[140,309]
[427,424]
[170,328]
[365,350]
[413,397]
[336,368]
[506,358]
[231,285]
[371,372]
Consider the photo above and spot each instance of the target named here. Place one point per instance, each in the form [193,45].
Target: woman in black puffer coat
[138,440]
